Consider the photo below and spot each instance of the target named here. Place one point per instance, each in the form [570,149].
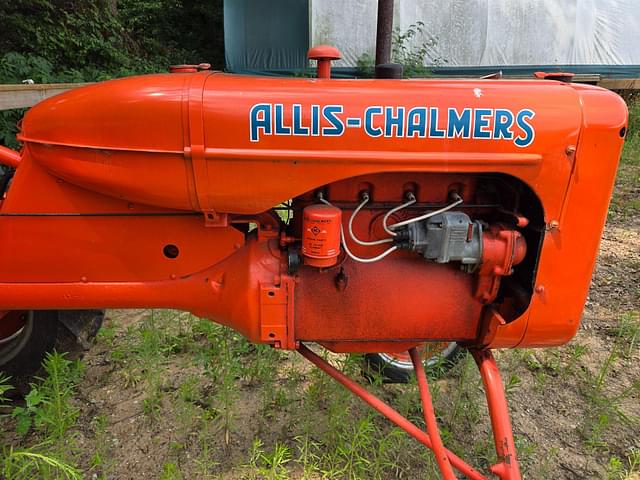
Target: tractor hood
[214,142]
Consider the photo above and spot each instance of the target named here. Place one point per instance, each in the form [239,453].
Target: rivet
[570,150]
[540,289]
[554,224]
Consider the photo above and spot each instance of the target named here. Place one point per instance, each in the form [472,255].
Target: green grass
[47,415]
[625,203]
[627,469]
[26,464]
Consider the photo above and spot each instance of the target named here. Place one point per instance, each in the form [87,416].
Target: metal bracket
[213,219]
[276,314]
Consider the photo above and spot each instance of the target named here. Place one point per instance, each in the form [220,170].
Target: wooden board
[620,83]
[23,96]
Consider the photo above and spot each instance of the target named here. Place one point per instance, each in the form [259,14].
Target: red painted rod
[388,412]
[430,417]
[507,467]
[9,157]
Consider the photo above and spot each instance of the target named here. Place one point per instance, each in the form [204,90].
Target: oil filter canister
[321,235]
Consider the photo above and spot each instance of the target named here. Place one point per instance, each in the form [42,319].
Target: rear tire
[22,356]
[45,330]
[400,370]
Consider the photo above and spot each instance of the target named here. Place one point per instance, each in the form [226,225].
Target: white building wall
[491,32]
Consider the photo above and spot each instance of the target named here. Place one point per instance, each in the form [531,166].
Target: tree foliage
[111,37]
[51,41]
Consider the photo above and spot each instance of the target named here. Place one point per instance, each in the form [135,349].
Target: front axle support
[507,467]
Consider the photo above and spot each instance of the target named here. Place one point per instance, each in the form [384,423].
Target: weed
[152,402]
[408,50]
[526,450]
[223,369]
[189,390]
[541,379]
[628,333]
[547,466]
[5,386]
[107,333]
[604,370]
[605,408]
[512,384]
[205,463]
[625,203]
[624,470]
[576,352]
[48,408]
[466,398]
[411,55]
[352,450]
[100,461]
[270,465]
[170,471]
[597,426]
[24,464]
[307,455]
[48,405]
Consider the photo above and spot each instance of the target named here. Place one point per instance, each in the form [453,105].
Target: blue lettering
[260,119]
[392,122]
[315,120]
[337,127]
[480,123]
[459,124]
[417,122]
[368,121]
[502,123]
[298,129]
[281,128]
[434,132]
[528,131]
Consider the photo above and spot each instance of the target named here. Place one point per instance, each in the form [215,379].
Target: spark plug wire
[349,253]
[458,200]
[365,200]
[412,200]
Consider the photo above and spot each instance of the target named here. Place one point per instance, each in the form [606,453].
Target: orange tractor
[360,215]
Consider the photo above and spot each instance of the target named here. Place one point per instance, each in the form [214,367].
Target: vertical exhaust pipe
[384,67]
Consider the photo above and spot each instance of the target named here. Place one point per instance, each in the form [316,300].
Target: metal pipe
[507,467]
[387,411]
[384,31]
[430,417]
[9,157]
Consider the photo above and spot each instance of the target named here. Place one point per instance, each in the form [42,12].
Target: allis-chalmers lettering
[393,121]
